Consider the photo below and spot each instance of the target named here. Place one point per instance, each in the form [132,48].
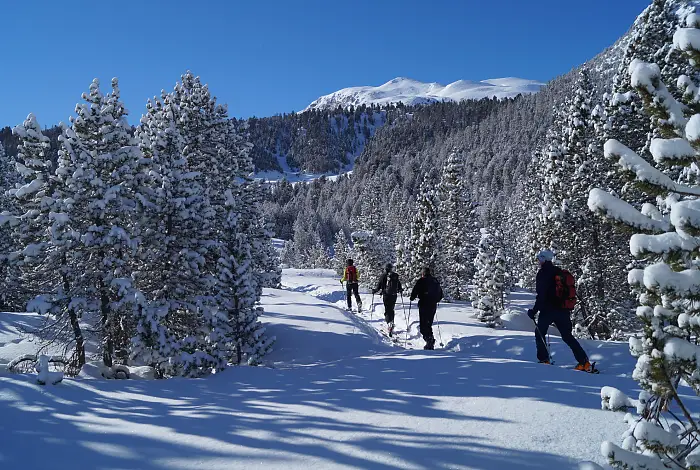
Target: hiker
[429,293]
[390,287]
[552,310]
[351,278]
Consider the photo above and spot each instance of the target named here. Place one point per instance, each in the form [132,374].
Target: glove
[374,291]
[531,313]
[412,299]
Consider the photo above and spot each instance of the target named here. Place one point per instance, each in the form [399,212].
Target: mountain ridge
[413,92]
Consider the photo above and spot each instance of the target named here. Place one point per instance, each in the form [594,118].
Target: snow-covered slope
[335,395]
[412,92]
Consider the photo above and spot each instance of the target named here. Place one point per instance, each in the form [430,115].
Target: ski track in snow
[336,394]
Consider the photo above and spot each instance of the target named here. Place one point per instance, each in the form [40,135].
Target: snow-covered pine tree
[96,172]
[242,248]
[172,328]
[340,252]
[487,296]
[668,285]
[13,294]
[43,246]
[421,249]
[454,230]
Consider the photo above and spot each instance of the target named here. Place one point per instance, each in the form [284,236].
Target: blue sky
[264,57]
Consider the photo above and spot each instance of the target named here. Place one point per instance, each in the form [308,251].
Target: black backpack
[392,284]
[433,292]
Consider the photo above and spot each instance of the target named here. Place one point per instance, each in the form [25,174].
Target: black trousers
[389,304]
[426,312]
[351,288]
[562,320]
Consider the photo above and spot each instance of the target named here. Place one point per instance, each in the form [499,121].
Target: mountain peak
[412,92]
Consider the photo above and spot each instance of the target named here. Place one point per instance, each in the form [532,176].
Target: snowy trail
[336,396]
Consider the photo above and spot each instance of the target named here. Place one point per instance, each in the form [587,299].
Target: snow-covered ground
[334,394]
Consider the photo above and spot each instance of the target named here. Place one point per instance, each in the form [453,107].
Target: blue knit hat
[545,255]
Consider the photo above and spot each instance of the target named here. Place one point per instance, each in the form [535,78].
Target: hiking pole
[537,329]
[408,323]
[438,325]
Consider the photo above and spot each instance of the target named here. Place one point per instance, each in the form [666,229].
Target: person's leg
[389,308]
[348,289]
[563,323]
[540,333]
[425,330]
[356,291]
[431,317]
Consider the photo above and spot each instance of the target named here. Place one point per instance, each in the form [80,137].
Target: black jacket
[428,290]
[381,286]
[545,288]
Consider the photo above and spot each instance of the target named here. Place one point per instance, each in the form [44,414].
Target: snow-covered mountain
[412,92]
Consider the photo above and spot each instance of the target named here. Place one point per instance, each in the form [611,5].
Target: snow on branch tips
[628,160]
[614,208]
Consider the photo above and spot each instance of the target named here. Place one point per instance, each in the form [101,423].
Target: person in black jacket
[390,287]
[551,313]
[429,293]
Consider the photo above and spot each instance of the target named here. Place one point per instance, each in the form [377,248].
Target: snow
[614,400]
[630,161]
[414,92]
[334,394]
[687,39]
[622,211]
[671,149]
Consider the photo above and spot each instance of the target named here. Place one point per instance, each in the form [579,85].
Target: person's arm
[416,289]
[345,275]
[381,284]
[441,293]
[543,285]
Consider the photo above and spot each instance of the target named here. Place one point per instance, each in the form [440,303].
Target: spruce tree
[340,252]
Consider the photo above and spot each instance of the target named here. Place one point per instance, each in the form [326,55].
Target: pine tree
[96,172]
[487,296]
[421,249]
[13,295]
[454,229]
[177,233]
[668,283]
[340,252]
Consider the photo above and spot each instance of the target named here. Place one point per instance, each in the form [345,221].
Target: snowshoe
[546,362]
[390,329]
[429,345]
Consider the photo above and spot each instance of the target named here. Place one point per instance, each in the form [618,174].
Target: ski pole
[408,324]
[438,324]
[537,329]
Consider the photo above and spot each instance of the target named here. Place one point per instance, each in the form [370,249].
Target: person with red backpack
[556,298]
[351,277]
[390,287]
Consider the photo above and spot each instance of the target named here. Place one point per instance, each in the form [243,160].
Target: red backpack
[564,289]
[351,275]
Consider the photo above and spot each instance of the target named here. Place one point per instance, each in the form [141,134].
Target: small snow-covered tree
[487,296]
[669,283]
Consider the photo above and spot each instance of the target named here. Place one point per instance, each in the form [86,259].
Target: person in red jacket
[352,277]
